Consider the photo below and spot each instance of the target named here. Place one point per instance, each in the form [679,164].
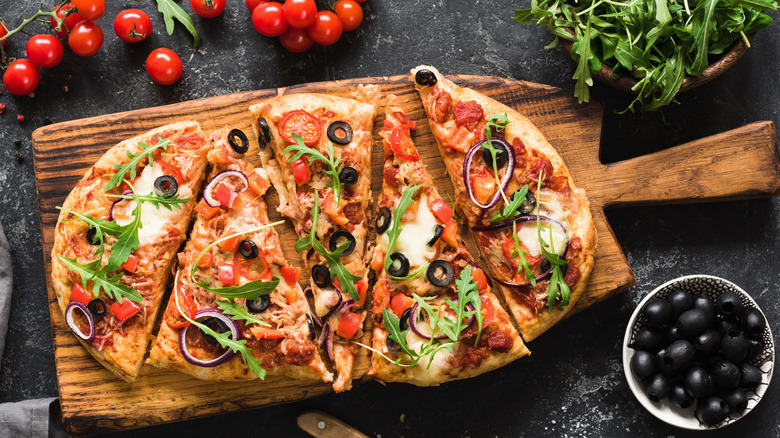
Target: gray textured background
[573,385]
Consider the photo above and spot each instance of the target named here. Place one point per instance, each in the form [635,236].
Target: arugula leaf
[100,226]
[511,208]
[407,198]
[101,280]
[333,162]
[147,150]
[171,10]
[524,265]
[468,292]
[156,200]
[236,312]
[557,286]
[127,240]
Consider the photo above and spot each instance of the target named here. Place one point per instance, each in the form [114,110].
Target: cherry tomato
[207,8]
[68,23]
[268,19]
[326,28]
[164,66]
[3,31]
[21,77]
[90,9]
[302,123]
[300,14]
[252,4]
[350,13]
[132,25]
[44,50]
[402,144]
[85,38]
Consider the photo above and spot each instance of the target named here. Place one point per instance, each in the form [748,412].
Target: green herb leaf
[171,10]
[157,201]
[101,280]
[236,313]
[127,240]
[333,161]
[130,166]
[511,209]
[100,226]
[407,198]
[523,265]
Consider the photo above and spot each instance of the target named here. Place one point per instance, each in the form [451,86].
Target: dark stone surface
[573,385]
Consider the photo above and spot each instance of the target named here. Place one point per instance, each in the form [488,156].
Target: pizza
[531,223]
[435,318]
[116,236]
[234,281]
[316,149]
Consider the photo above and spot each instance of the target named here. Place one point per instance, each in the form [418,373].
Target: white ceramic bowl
[711,287]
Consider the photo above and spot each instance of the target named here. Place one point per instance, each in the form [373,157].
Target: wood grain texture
[739,164]
[323,425]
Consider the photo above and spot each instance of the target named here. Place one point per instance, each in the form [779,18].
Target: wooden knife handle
[321,425]
[737,164]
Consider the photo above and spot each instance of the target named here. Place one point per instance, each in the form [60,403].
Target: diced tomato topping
[302,123]
[171,170]
[206,210]
[468,113]
[78,293]
[479,276]
[387,125]
[509,248]
[441,210]
[334,212]
[291,274]
[483,186]
[125,310]
[227,274]
[130,264]
[461,140]
[400,303]
[231,244]
[487,311]
[300,170]
[225,195]
[257,184]
[411,124]
[219,155]
[450,234]
[205,260]
[362,290]
[260,332]
[402,145]
[348,325]
[187,304]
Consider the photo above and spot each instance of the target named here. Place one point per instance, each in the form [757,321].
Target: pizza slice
[237,311]
[531,223]
[434,316]
[317,151]
[116,236]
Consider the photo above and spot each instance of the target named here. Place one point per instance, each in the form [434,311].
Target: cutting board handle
[737,164]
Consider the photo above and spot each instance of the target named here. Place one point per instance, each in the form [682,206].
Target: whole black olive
[712,410]
[754,349]
[502,155]
[643,365]
[736,399]
[750,376]
[240,146]
[707,306]
[698,382]
[657,312]
[266,137]
[679,396]
[725,375]
[166,186]
[399,265]
[658,388]
[436,234]
[348,176]
[679,355]
[680,301]
[258,305]
[729,304]
[708,343]
[734,346]
[97,307]
[215,324]
[339,238]
[425,77]
[321,275]
[753,322]
[440,273]
[310,324]
[648,339]
[673,334]
[529,205]
[725,326]
[340,132]
[91,236]
[663,367]
[693,322]
[383,219]
[248,249]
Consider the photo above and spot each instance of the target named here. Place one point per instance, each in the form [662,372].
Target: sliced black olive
[529,205]
[166,186]
[92,236]
[502,155]
[258,305]
[348,176]
[215,324]
[340,132]
[310,323]
[266,137]
[321,275]
[436,234]
[97,307]
[425,77]
[440,273]
[399,265]
[242,147]
[403,323]
[248,249]
[337,239]
[392,346]
[383,219]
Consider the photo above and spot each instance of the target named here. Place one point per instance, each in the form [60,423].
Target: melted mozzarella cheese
[527,234]
[439,360]
[415,235]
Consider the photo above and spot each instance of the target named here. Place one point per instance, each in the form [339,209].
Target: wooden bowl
[717,68]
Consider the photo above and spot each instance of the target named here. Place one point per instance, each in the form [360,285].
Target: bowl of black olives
[698,352]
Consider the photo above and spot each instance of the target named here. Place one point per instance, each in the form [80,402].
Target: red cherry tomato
[68,23]
[21,77]
[85,38]
[164,66]
[300,14]
[252,4]
[44,50]
[302,123]
[207,8]
[296,40]
[268,19]
[90,9]
[132,25]
[3,32]
[326,29]
[350,13]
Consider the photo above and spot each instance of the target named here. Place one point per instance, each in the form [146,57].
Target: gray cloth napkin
[28,418]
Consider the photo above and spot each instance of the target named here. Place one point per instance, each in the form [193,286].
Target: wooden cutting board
[93,400]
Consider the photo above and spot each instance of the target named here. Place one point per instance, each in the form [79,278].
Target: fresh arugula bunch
[407,198]
[101,227]
[333,161]
[346,278]
[146,151]
[657,42]
[101,280]
[497,122]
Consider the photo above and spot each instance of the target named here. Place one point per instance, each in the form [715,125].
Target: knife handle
[321,425]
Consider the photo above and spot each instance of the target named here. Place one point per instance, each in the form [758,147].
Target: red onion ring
[207,192]
[326,342]
[418,330]
[76,305]
[477,147]
[235,334]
